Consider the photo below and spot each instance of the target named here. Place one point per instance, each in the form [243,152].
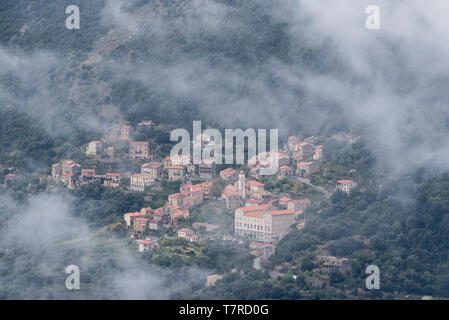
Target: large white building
[262,223]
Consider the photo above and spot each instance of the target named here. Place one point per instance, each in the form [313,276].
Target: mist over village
[224,150]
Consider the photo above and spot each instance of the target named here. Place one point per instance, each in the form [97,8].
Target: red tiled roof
[345,181]
[254,214]
[255,183]
[136,214]
[255,208]
[280,212]
[68,175]
[228,172]
[176,167]
[178,195]
[150,165]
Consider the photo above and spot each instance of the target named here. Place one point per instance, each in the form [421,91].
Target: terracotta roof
[254,214]
[255,208]
[345,181]
[152,166]
[280,212]
[176,167]
[255,183]
[228,172]
[178,195]
[136,214]
[68,175]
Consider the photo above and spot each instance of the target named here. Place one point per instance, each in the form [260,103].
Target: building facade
[262,223]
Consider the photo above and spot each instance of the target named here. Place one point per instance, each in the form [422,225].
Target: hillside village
[260,217]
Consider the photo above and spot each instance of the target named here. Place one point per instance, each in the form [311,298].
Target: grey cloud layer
[46,226]
[389,85]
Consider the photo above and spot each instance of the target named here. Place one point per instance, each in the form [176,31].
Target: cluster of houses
[177,168]
[71,175]
[306,157]
[327,264]
[140,222]
[117,134]
[192,235]
[148,244]
[241,190]
[259,215]
[149,174]
[262,250]
[11,177]
[177,207]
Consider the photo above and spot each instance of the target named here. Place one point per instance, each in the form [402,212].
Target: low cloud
[47,226]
